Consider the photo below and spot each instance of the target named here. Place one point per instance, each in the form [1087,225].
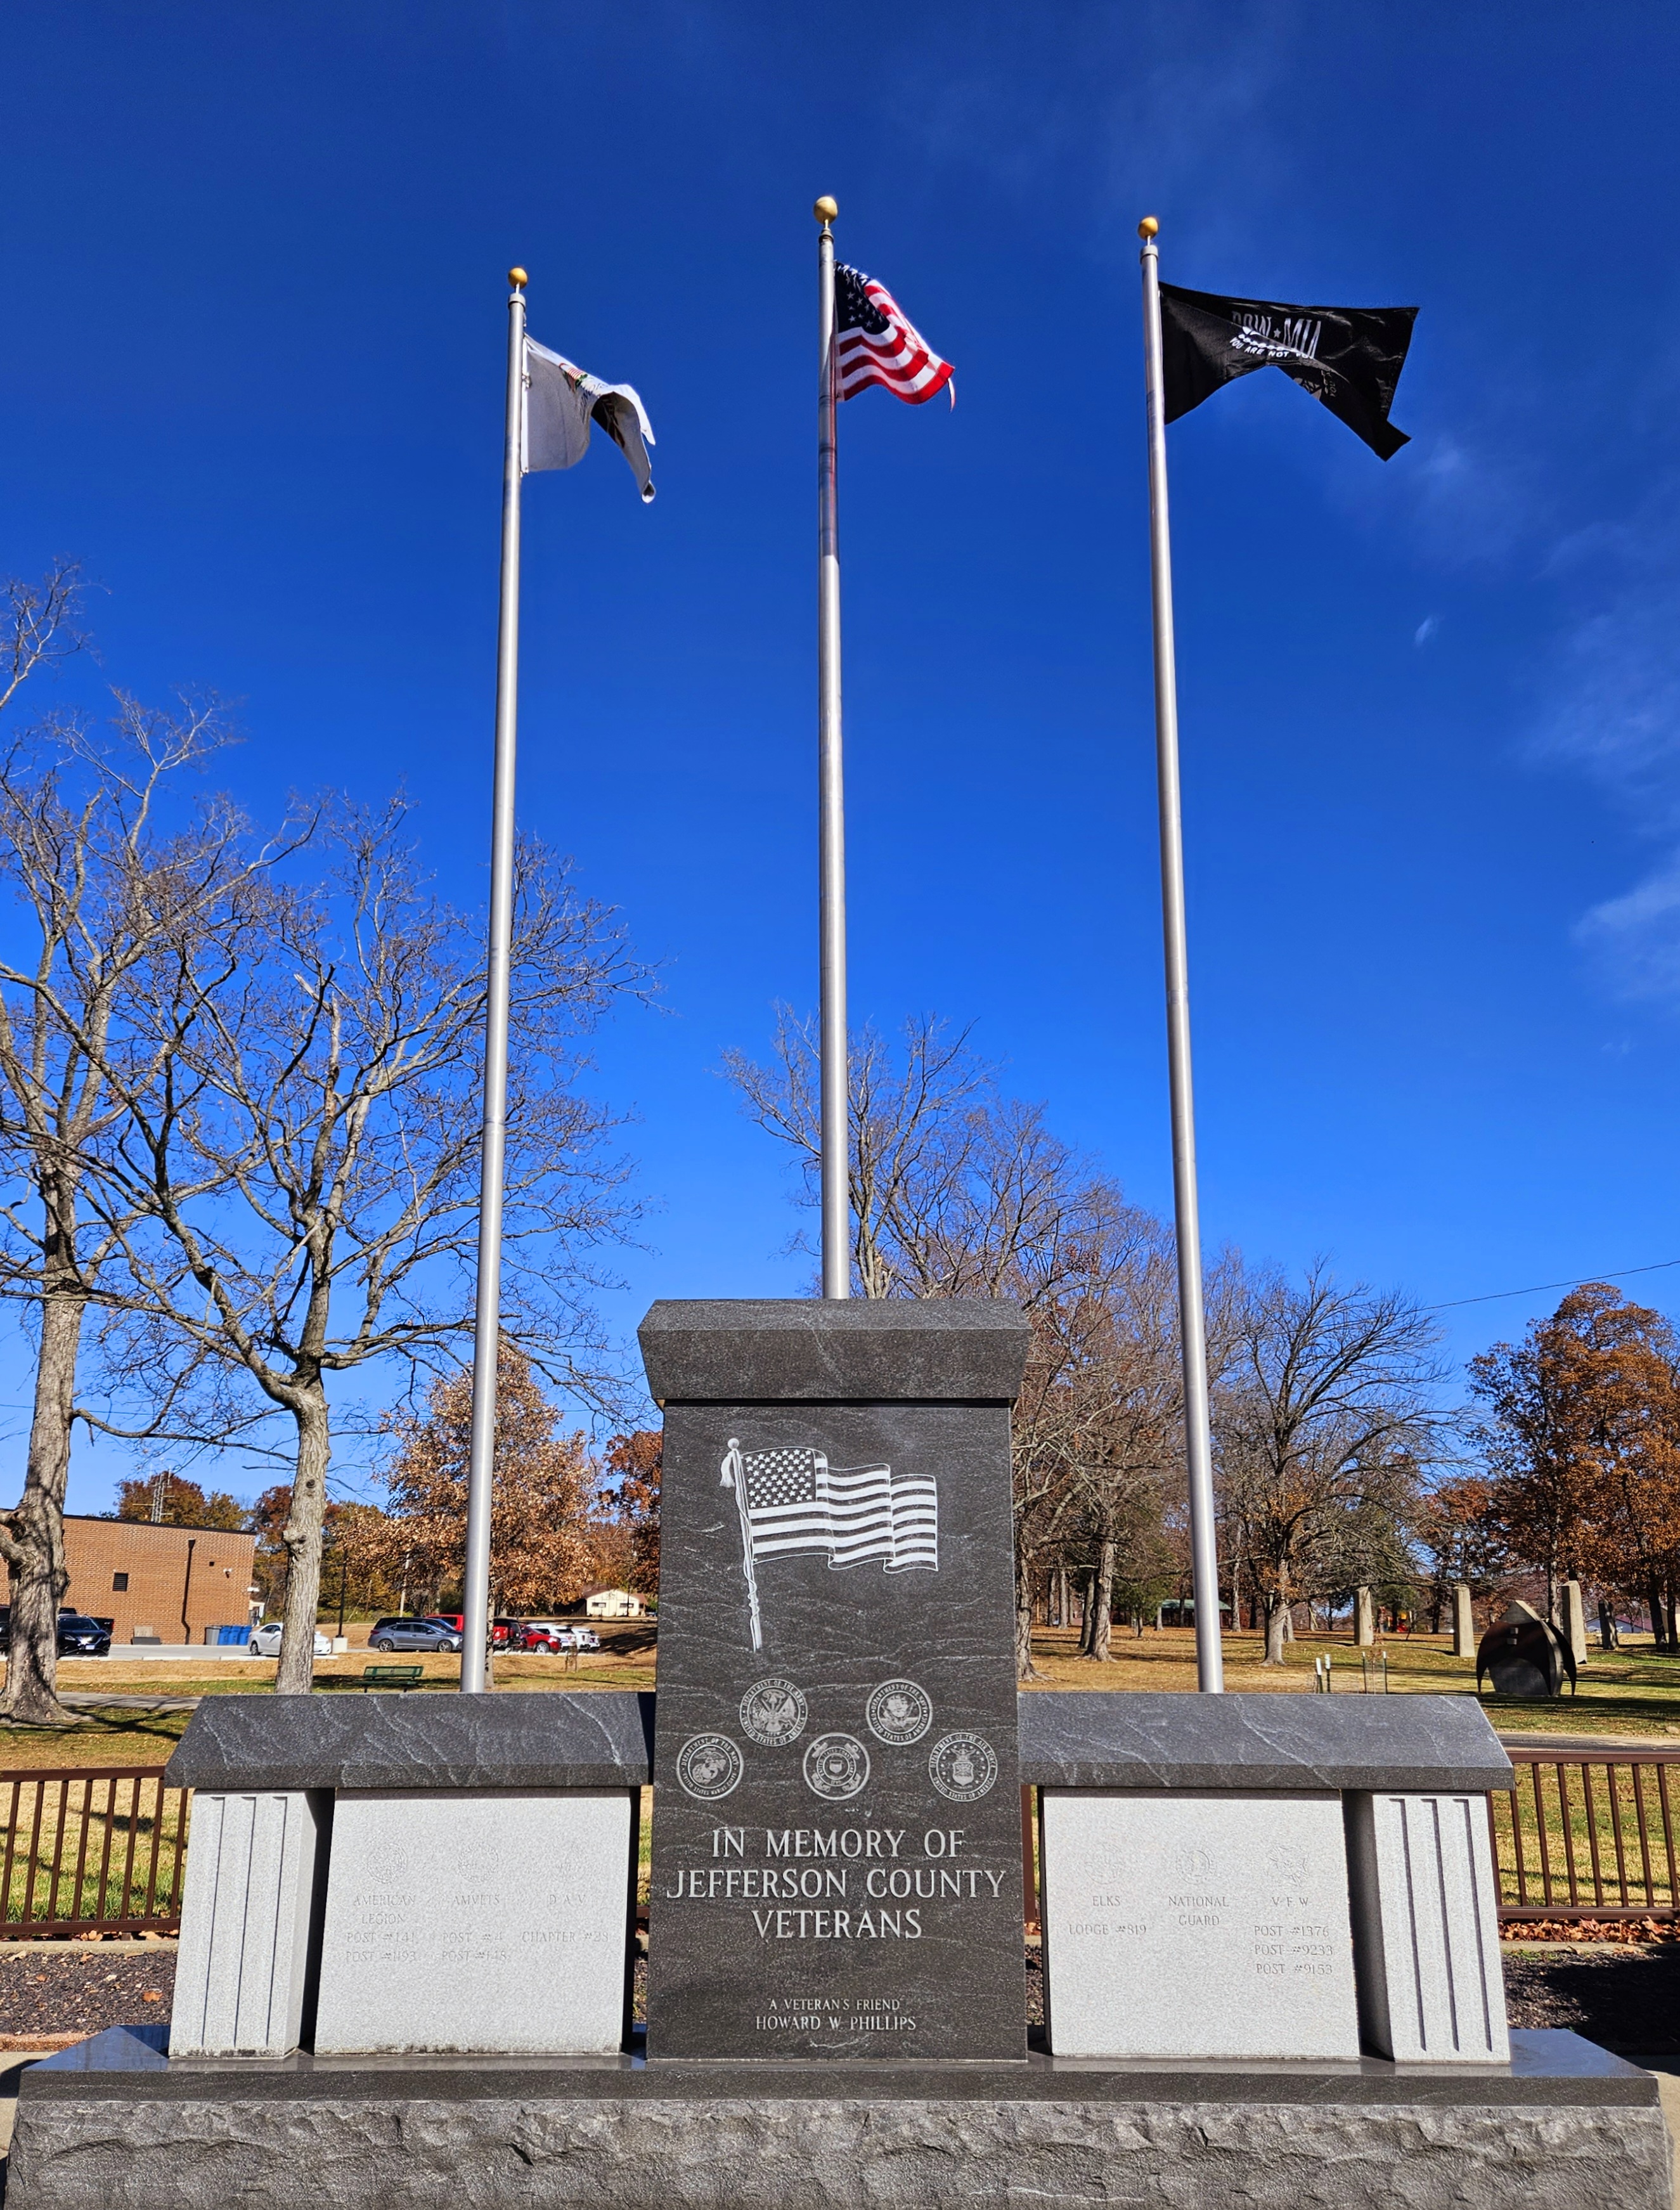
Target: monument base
[114,2124]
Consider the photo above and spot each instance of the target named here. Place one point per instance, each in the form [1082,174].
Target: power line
[1534,1288]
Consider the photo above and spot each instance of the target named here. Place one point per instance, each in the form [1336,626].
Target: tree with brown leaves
[544,1520]
[635,1460]
[168,1500]
[1582,1437]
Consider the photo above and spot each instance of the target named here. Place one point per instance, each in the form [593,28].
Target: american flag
[877,343]
[797,1501]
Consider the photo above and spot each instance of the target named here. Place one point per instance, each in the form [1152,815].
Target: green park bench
[392,1676]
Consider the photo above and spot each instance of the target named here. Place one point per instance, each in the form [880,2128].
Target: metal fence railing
[101,1848]
[1588,1835]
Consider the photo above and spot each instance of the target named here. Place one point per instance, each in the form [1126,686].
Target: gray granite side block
[245,1915]
[1097,1738]
[600,1738]
[741,1350]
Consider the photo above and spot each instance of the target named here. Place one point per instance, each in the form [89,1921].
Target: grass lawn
[1623,1692]
[1627,1692]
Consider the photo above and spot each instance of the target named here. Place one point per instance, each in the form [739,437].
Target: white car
[265,1640]
[547,1634]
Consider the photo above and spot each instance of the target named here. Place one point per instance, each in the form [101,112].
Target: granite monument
[836,1866]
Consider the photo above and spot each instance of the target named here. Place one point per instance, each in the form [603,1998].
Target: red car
[547,1634]
[504,1632]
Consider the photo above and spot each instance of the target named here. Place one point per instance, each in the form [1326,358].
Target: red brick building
[164,1583]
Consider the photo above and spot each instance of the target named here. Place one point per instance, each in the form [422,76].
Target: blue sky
[253,273]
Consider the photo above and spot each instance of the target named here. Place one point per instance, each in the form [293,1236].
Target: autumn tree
[1323,1426]
[305,1173]
[544,1525]
[168,1500]
[634,1461]
[1581,1432]
[1457,1526]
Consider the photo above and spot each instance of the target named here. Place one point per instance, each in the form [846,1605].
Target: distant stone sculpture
[1525,1656]
[1464,1624]
[1575,1620]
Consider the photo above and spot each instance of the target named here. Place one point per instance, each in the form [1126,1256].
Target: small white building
[611,1604]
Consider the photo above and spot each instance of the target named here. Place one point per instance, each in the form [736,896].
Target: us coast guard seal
[899,1712]
[962,1767]
[837,1766]
[708,1766]
[773,1712]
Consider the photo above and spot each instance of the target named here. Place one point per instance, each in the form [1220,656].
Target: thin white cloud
[1613,713]
[1426,629]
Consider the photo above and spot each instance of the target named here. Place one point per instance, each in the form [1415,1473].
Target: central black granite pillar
[837,1838]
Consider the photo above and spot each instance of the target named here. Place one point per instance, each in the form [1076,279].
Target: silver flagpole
[832,795]
[1199,1450]
[486,1325]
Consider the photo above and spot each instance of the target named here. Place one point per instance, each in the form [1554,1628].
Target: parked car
[413,1634]
[586,1638]
[78,1635]
[504,1632]
[547,1634]
[265,1640]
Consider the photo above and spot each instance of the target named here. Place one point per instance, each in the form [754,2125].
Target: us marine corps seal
[962,1767]
[708,1766]
[837,1766]
[773,1712]
[899,1712]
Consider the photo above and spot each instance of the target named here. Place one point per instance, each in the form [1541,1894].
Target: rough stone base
[1567,2125]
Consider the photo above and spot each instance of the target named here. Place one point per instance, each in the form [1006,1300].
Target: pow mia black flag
[1348,357]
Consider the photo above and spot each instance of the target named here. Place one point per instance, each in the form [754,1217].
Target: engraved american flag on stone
[797,1501]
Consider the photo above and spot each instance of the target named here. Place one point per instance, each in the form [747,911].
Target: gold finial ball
[826,209]
[518,276]
[1148,226]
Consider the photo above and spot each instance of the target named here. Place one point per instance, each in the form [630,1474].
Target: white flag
[560,403]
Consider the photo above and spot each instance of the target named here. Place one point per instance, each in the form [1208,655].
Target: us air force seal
[962,1767]
[708,1766]
[837,1766]
[899,1712]
[773,1712]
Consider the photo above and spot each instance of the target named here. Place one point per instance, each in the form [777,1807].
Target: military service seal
[773,1712]
[837,1766]
[708,1766]
[899,1712]
[962,1767]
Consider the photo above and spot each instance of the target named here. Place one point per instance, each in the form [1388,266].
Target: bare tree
[97,885]
[958,1191]
[304,1173]
[1323,1426]
[40,626]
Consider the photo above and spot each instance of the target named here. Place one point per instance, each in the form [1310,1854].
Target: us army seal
[773,1712]
[837,1766]
[962,1767]
[708,1766]
[899,1712]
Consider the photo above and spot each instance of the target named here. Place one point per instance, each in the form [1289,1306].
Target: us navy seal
[899,1712]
